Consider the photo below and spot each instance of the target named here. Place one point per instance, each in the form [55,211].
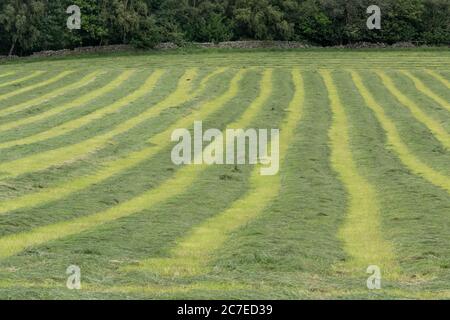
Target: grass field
[86,176]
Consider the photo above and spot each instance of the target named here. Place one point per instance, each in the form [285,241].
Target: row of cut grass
[192,253]
[34,86]
[84,81]
[112,167]
[123,184]
[29,76]
[79,102]
[396,142]
[361,234]
[13,244]
[412,210]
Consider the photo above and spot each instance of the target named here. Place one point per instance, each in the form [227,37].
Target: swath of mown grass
[78,102]
[361,233]
[412,211]
[310,59]
[84,81]
[427,199]
[293,246]
[122,185]
[70,153]
[416,136]
[115,166]
[101,250]
[7,74]
[40,84]
[439,77]
[434,126]
[110,99]
[193,253]
[77,135]
[427,91]
[13,244]
[22,79]
[396,142]
[50,158]
[202,291]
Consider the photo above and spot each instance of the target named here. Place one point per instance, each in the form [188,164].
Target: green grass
[86,176]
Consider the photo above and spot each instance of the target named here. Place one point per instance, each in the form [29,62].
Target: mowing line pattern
[86,80]
[74,124]
[15,243]
[395,141]
[192,254]
[438,131]
[79,150]
[20,80]
[7,74]
[427,91]
[140,227]
[54,157]
[36,85]
[114,84]
[158,142]
[438,77]
[361,234]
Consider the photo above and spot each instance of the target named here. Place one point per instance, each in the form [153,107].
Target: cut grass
[434,126]
[438,77]
[86,80]
[40,84]
[395,141]
[50,158]
[425,90]
[7,74]
[223,231]
[157,143]
[403,199]
[79,102]
[191,255]
[15,243]
[20,80]
[361,233]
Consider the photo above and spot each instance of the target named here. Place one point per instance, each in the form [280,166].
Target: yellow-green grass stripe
[114,84]
[222,287]
[7,74]
[130,289]
[395,141]
[361,233]
[193,254]
[13,244]
[438,131]
[70,153]
[438,77]
[86,80]
[53,157]
[176,98]
[71,125]
[20,80]
[420,86]
[160,141]
[36,85]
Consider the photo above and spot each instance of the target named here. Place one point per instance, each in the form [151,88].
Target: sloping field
[86,176]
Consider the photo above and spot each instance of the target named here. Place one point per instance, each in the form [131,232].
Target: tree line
[34,25]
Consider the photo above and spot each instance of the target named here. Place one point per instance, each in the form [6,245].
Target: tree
[20,19]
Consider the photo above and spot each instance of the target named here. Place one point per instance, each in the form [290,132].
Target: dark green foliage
[33,25]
